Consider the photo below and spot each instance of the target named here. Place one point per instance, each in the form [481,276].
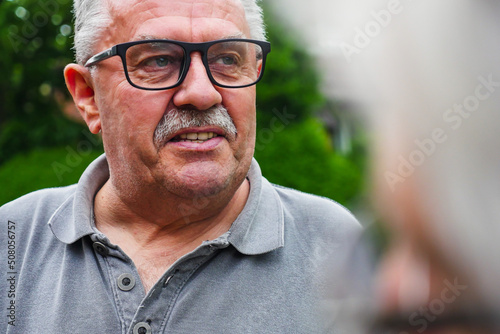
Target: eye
[161,61]
[228,60]
[156,62]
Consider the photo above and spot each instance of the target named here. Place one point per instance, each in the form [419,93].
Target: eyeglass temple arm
[101,56]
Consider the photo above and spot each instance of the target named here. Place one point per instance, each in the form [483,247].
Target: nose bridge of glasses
[196,58]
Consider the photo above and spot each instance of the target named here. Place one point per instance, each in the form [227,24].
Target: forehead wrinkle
[219,9]
[231,11]
[193,13]
[172,35]
[144,37]
[193,8]
[124,11]
[120,13]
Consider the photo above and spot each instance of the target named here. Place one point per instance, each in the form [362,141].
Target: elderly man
[174,229]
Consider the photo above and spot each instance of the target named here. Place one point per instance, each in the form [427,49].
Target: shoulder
[320,234]
[312,206]
[27,219]
[315,215]
[38,205]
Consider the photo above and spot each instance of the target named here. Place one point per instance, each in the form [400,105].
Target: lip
[216,130]
[205,146]
[208,145]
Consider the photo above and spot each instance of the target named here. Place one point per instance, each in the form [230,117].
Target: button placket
[167,280]
[124,281]
[159,308]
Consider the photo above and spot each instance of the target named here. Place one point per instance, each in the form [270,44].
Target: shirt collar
[260,226]
[258,229]
[74,218]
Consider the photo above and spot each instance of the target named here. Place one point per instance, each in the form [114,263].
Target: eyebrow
[148,37]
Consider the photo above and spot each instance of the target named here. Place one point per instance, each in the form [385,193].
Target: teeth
[197,137]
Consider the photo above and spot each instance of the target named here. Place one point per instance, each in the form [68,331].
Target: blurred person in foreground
[174,229]
[428,75]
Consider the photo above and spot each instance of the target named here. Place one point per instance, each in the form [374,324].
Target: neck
[170,222]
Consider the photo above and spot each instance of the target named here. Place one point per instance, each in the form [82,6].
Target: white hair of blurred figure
[428,78]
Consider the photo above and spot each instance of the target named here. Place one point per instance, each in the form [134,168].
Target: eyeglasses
[163,64]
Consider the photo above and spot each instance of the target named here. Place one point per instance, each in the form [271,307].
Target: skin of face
[141,174]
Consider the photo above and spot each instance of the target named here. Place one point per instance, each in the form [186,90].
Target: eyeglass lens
[160,64]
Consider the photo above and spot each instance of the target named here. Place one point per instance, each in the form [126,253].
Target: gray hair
[92,17]
[255,19]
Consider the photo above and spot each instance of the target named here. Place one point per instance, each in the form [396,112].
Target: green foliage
[36,44]
[290,79]
[301,157]
[292,148]
[42,169]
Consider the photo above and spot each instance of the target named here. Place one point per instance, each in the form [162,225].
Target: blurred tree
[292,147]
[35,39]
[301,157]
[290,80]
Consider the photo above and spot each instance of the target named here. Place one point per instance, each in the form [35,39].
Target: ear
[79,83]
[259,69]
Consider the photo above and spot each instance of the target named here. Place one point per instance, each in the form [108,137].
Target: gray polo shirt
[59,274]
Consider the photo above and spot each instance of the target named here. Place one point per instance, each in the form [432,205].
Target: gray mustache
[178,119]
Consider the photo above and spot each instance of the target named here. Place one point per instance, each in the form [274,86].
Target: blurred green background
[304,141]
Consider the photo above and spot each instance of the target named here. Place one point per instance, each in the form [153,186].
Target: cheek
[242,109]
[241,106]
[129,116]
[134,108]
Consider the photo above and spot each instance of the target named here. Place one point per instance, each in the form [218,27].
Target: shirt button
[126,282]
[100,248]
[142,328]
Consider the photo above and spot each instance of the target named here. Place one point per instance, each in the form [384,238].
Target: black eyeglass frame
[121,50]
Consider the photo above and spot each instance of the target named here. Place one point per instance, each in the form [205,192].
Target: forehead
[185,20]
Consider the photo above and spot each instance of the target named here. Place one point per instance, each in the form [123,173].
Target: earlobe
[79,83]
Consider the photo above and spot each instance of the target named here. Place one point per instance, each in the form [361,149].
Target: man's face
[129,116]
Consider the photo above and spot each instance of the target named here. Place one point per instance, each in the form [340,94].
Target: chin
[205,180]
[202,188]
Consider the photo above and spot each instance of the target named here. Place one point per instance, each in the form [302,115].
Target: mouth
[194,137]
[195,130]
[199,138]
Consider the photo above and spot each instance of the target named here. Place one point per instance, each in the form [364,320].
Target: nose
[403,280]
[196,91]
